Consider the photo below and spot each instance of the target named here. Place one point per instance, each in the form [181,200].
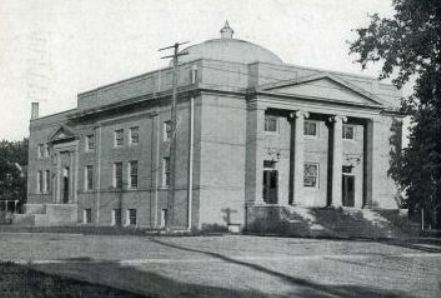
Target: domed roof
[229,49]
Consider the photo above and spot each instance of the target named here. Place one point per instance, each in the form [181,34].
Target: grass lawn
[20,281]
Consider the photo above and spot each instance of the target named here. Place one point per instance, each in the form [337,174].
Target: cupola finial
[227,31]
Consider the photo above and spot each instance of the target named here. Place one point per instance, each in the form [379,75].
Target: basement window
[131,217]
[87,216]
[116,217]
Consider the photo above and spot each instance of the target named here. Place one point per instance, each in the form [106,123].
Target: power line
[171,192]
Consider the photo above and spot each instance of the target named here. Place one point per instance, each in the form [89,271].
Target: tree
[409,46]
[13,161]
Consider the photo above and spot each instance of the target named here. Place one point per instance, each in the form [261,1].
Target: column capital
[338,118]
[298,114]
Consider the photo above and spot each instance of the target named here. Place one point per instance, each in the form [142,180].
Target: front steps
[47,215]
[327,222]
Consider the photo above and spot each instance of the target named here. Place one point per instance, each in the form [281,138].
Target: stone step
[320,222]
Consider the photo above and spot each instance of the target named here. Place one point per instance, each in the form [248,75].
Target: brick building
[253,134]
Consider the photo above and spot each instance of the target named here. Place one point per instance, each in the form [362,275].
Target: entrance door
[270,186]
[348,189]
[66,185]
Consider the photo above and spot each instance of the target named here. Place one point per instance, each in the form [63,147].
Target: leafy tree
[13,161]
[408,45]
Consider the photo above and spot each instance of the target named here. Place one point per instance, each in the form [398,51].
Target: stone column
[368,163]
[298,154]
[58,178]
[254,154]
[337,158]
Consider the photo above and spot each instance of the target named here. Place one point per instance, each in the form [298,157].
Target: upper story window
[41,150]
[90,142]
[270,123]
[119,137]
[88,177]
[166,171]
[310,176]
[133,174]
[47,150]
[167,130]
[117,175]
[47,181]
[40,182]
[310,128]
[348,132]
[134,135]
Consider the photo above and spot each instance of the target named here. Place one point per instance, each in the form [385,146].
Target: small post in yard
[172,158]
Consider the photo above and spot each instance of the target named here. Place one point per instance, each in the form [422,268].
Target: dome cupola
[227,48]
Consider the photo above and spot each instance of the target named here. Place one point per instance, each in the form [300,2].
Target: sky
[51,50]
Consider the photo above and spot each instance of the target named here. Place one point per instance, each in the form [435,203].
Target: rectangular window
[40,182]
[117,175]
[270,123]
[310,178]
[119,137]
[40,150]
[310,128]
[167,130]
[47,184]
[87,216]
[88,177]
[133,174]
[116,217]
[47,152]
[134,135]
[90,142]
[131,217]
[348,132]
[166,171]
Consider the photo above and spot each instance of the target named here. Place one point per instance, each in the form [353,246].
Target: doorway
[270,186]
[66,185]
[348,189]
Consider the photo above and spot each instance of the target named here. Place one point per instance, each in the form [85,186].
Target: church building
[254,134]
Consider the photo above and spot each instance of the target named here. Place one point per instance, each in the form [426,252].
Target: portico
[310,156]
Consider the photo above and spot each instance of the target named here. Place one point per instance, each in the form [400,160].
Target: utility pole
[172,157]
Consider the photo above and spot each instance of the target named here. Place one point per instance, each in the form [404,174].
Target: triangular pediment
[324,87]
[63,133]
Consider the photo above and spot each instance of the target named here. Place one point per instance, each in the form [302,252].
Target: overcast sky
[51,50]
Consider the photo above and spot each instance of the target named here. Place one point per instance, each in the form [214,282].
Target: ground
[233,266]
